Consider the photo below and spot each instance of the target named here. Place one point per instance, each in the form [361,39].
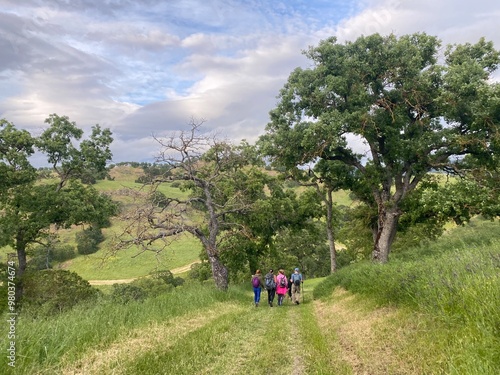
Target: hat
[296,269]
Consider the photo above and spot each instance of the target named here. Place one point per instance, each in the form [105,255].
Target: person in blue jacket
[297,280]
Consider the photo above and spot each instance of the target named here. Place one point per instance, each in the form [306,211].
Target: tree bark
[21,265]
[21,255]
[219,272]
[329,232]
[386,232]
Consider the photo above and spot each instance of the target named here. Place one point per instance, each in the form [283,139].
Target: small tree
[28,210]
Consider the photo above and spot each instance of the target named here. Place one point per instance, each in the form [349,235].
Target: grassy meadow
[106,264]
[434,309]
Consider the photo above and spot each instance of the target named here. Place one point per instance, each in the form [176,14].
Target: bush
[167,277]
[200,271]
[62,253]
[125,293]
[88,240]
[158,199]
[52,291]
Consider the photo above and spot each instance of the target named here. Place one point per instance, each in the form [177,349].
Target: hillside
[106,264]
[433,310]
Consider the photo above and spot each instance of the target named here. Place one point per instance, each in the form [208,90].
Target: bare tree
[216,174]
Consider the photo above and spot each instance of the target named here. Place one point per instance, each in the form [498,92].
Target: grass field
[436,311]
[433,309]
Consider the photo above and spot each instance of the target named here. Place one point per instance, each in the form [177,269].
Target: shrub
[88,240]
[158,199]
[52,291]
[200,271]
[167,277]
[125,293]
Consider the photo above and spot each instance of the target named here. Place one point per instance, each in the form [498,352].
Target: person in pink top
[281,286]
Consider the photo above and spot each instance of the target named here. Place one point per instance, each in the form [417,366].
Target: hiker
[270,284]
[281,286]
[257,286]
[289,290]
[296,280]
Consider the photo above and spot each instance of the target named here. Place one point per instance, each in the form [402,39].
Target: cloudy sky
[147,67]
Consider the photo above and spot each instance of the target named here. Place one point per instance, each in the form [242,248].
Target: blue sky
[147,67]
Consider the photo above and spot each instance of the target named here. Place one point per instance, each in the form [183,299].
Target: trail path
[126,281]
[339,336]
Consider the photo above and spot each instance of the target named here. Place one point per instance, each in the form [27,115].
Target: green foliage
[154,172]
[29,209]
[71,162]
[200,271]
[167,277]
[355,233]
[126,293]
[158,199]
[415,113]
[158,282]
[88,240]
[50,292]
[152,287]
[304,248]
[44,256]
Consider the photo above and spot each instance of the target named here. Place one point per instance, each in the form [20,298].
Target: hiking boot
[297,302]
[270,304]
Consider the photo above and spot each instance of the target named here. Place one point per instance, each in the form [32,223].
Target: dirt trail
[175,271]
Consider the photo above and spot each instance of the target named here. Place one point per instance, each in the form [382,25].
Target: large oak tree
[413,109]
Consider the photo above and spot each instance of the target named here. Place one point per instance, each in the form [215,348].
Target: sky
[146,68]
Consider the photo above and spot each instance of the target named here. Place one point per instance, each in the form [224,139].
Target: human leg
[256,292]
[272,293]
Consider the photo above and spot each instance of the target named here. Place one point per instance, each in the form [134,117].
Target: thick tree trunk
[329,232]
[21,267]
[386,232]
[219,272]
[21,255]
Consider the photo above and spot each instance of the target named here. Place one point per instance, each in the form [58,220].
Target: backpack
[255,282]
[269,282]
[283,282]
[296,278]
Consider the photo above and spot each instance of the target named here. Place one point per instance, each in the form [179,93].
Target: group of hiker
[279,285]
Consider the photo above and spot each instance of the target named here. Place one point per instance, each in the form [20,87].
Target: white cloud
[147,67]
[451,21]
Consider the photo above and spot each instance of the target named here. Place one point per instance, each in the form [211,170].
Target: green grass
[434,309]
[437,314]
[44,345]
[127,263]
[454,283]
